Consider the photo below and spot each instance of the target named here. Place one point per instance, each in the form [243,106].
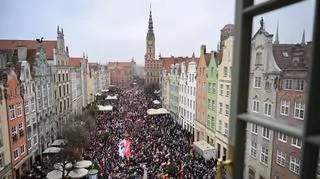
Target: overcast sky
[115,30]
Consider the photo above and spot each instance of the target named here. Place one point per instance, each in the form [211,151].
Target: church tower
[150,40]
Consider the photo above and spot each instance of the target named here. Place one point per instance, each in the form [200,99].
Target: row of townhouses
[41,87]
[197,91]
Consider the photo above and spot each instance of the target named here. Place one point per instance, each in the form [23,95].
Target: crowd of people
[159,148]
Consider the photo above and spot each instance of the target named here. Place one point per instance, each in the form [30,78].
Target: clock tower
[150,41]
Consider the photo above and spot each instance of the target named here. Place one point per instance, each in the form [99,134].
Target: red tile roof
[30,44]
[75,61]
[278,50]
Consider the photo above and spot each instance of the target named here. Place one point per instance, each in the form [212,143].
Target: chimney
[203,49]
[22,53]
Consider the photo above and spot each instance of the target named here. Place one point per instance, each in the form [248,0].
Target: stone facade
[62,81]
[76,85]
[264,75]
[174,91]
[201,97]
[223,93]
[45,101]
[212,81]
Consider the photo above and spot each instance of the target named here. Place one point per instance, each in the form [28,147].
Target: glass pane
[278,86]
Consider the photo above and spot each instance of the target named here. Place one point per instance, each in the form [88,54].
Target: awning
[98,94]
[54,174]
[83,164]
[156,102]
[52,150]
[157,111]
[104,91]
[78,173]
[111,97]
[59,166]
[105,108]
[59,142]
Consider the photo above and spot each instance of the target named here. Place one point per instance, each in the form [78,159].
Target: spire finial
[58,31]
[261,23]
[150,34]
[62,31]
[193,56]
[150,8]
[303,40]
[276,41]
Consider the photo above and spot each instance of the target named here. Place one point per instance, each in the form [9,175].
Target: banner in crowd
[125,148]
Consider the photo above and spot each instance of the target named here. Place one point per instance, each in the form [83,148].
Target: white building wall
[191,96]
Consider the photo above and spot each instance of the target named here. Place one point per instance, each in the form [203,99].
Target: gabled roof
[207,57]
[228,26]
[280,51]
[49,45]
[75,61]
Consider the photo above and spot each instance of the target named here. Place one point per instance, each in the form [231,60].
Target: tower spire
[276,41]
[303,40]
[150,34]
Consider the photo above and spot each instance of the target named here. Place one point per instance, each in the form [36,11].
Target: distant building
[201,97]
[225,33]
[121,73]
[152,67]
[76,84]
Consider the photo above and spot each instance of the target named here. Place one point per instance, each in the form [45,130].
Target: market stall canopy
[59,142]
[59,166]
[111,97]
[206,150]
[157,111]
[157,91]
[104,91]
[105,108]
[52,150]
[98,94]
[78,173]
[156,102]
[83,164]
[54,174]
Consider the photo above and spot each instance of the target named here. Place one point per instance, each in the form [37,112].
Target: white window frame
[26,107]
[253,149]
[226,129]
[299,84]
[220,108]
[254,128]
[281,158]
[296,142]
[24,149]
[227,112]
[219,126]
[256,106]
[282,137]
[14,157]
[227,90]
[284,107]
[264,156]
[299,108]
[225,71]
[19,110]
[257,82]
[287,84]
[266,133]
[221,89]
[214,88]
[267,109]
[12,112]
[294,165]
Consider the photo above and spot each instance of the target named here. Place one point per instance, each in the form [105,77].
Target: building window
[284,107]
[285,54]
[26,106]
[220,108]
[264,155]
[299,110]
[282,137]
[287,84]
[227,90]
[226,129]
[2,160]
[60,94]
[296,142]
[209,103]
[258,58]
[281,158]
[225,71]
[33,108]
[214,88]
[209,88]
[227,110]
[267,109]
[16,154]
[299,85]
[253,149]
[252,174]
[294,165]
[256,106]
[12,112]
[22,149]
[213,105]
[35,140]
[19,109]
[254,128]
[220,126]
[221,89]
[230,71]
[257,82]
[265,133]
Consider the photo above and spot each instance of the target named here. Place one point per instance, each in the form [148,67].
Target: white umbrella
[156,102]
[78,173]
[54,174]
[52,150]
[83,164]
[58,166]
[59,142]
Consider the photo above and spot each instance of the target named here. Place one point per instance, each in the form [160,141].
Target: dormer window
[285,54]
